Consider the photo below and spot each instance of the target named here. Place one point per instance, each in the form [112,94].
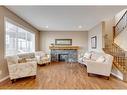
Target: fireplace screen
[63,57]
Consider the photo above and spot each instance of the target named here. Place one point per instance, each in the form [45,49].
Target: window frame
[6,19]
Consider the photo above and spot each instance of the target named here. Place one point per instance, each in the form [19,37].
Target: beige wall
[4,12]
[100,30]
[96,31]
[79,38]
[109,23]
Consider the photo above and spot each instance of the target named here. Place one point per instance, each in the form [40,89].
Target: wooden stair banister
[118,53]
[121,18]
[120,26]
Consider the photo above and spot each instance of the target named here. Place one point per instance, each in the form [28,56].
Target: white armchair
[42,57]
[100,66]
[20,70]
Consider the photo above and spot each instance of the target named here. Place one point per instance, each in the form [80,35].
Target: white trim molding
[118,76]
[3,79]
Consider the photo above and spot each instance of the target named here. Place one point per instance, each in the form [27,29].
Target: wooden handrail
[121,25]
[121,18]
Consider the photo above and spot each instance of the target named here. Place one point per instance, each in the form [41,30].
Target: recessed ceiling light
[46,26]
[80,26]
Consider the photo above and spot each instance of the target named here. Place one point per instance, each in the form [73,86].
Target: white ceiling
[65,18]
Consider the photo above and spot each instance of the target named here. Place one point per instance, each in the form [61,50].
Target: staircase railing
[121,25]
[120,59]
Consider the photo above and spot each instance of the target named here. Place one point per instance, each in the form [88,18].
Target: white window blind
[18,40]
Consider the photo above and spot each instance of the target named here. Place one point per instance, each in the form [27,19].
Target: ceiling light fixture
[80,26]
[46,26]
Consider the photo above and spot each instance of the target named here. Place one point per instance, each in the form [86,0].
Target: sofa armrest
[12,68]
[38,58]
[12,60]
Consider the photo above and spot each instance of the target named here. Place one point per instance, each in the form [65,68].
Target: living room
[62,47]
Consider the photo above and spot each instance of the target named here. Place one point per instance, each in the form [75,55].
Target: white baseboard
[1,80]
[120,77]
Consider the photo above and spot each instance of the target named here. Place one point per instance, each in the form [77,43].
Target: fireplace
[63,57]
[64,53]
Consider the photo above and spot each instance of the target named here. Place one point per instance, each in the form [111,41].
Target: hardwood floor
[64,76]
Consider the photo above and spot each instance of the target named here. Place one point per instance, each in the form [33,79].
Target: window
[18,40]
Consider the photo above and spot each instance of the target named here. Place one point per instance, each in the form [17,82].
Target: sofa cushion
[22,60]
[95,56]
[101,59]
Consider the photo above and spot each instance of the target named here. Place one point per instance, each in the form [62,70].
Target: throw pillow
[101,59]
[87,55]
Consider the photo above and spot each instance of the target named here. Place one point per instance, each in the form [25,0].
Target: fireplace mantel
[62,47]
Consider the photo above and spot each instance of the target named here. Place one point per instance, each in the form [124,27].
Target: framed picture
[94,42]
[63,41]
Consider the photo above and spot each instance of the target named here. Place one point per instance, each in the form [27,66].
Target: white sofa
[42,57]
[98,63]
[21,69]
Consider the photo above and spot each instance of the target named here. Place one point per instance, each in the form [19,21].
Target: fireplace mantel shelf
[57,47]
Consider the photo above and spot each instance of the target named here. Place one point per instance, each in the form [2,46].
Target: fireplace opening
[63,57]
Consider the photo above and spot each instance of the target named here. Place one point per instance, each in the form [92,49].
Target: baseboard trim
[119,77]
[3,79]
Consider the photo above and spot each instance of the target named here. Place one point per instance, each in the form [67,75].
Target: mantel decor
[94,42]
[63,41]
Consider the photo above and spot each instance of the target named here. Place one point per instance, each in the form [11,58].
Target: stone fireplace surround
[67,53]
[64,55]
